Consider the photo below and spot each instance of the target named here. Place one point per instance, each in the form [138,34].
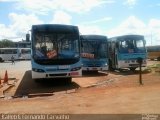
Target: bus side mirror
[117,45]
[144,42]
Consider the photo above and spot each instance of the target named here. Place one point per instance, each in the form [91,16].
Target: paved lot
[16,70]
[116,92]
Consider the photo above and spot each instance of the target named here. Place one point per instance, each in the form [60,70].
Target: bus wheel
[68,80]
[110,66]
[1,60]
[132,69]
[158,58]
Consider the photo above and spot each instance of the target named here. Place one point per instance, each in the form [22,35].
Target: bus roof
[92,37]
[127,37]
[54,28]
[13,48]
[9,48]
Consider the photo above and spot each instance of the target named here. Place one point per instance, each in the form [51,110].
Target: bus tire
[110,65]
[158,58]
[132,68]
[1,60]
[69,80]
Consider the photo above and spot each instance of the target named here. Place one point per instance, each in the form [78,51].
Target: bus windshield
[97,48]
[26,51]
[131,45]
[55,46]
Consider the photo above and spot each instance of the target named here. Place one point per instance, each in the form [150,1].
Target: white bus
[17,53]
[25,53]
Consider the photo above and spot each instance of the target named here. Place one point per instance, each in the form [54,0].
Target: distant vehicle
[55,51]
[153,52]
[7,53]
[17,53]
[125,50]
[25,53]
[94,53]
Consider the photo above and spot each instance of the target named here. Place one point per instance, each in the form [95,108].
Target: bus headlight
[76,68]
[37,70]
[106,64]
[82,65]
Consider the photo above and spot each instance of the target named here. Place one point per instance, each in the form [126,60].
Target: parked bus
[153,52]
[125,50]
[55,51]
[25,53]
[7,53]
[17,53]
[94,53]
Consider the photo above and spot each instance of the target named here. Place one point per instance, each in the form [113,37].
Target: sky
[102,17]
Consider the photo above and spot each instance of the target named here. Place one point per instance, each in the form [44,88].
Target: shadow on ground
[129,72]
[28,86]
[94,73]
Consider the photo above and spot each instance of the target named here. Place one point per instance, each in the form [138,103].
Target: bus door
[114,55]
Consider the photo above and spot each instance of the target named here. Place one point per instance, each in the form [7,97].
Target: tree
[6,43]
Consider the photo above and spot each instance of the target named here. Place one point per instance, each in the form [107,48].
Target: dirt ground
[94,93]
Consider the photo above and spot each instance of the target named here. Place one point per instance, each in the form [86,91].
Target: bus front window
[68,46]
[140,45]
[56,46]
[131,46]
[94,48]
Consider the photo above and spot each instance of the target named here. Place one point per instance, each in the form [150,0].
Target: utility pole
[151,38]
[140,61]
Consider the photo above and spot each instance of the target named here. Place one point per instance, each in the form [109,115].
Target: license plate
[94,68]
[74,73]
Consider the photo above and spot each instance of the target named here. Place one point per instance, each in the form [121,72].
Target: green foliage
[6,43]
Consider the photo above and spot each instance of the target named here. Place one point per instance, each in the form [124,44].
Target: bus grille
[62,74]
[93,65]
[50,70]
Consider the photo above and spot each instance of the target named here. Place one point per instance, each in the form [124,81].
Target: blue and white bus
[55,51]
[94,53]
[125,50]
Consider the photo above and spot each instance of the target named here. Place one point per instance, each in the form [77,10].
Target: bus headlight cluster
[133,61]
[82,64]
[37,70]
[106,64]
[127,61]
[76,68]
[130,61]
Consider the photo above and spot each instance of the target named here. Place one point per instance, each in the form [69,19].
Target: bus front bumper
[95,68]
[39,75]
[124,64]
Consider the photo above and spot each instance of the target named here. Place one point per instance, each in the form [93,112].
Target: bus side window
[14,51]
